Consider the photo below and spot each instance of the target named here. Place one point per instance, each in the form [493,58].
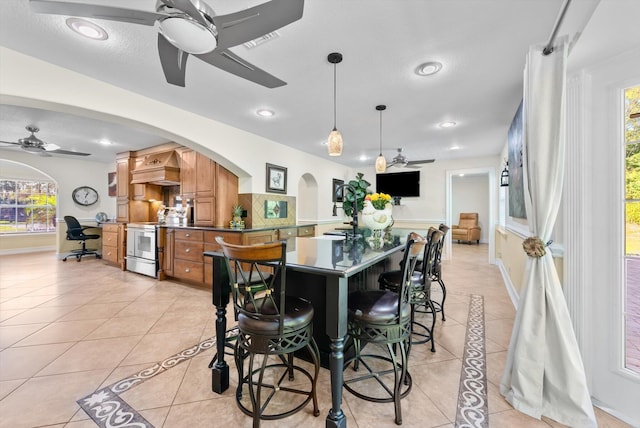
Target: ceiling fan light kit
[188,35]
[334,143]
[381,162]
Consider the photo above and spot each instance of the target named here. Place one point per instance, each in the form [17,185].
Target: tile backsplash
[254,203]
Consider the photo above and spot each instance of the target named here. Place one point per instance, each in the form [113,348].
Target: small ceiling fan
[402,161]
[192,27]
[36,146]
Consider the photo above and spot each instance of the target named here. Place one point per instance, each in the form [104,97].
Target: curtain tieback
[534,247]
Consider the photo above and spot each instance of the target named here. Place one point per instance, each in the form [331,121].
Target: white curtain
[544,374]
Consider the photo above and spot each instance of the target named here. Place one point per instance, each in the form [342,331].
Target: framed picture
[111,178]
[276,179]
[337,190]
[516,179]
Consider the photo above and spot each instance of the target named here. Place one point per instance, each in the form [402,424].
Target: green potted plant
[349,199]
[236,221]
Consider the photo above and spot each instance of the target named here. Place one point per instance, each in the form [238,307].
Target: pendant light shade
[334,143]
[381,162]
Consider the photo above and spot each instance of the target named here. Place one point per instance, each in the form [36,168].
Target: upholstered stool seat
[298,314]
[376,306]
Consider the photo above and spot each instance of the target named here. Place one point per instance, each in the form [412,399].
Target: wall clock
[84,195]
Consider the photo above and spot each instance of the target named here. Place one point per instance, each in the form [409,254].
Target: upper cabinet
[211,189]
[188,173]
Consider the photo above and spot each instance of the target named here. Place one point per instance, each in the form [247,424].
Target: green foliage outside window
[27,206]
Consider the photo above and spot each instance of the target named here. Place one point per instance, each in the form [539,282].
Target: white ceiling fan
[192,27]
[36,146]
[401,161]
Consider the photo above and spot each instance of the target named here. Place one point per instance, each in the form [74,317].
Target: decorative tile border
[472,408]
[108,410]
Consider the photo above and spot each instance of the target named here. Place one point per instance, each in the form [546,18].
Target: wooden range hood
[158,168]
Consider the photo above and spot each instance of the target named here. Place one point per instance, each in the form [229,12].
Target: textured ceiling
[481,44]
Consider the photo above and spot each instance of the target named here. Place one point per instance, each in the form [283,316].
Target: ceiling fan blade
[10,142]
[187,7]
[240,27]
[96,11]
[231,63]
[417,162]
[173,61]
[67,152]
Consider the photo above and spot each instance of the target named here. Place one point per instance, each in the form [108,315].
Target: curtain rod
[549,47]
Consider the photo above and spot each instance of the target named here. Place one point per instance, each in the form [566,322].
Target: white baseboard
[513,294]
[27,250]
[615,413]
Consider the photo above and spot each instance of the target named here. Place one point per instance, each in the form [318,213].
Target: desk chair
[75,232]
[270,324]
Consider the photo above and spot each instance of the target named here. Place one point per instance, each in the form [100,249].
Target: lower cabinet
[114,244]
[182,249]
[188,261]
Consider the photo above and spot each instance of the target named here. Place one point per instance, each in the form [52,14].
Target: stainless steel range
[142,249]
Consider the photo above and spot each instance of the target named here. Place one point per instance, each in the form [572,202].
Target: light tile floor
[68,329]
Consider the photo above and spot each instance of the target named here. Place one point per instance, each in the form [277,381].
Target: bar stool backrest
[257,293]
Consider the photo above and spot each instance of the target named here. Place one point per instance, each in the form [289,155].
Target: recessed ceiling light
[105,142]
[447,124]
[454,148]
[461,175]
[364,158]
[265,113]
[428,68]
[87,29]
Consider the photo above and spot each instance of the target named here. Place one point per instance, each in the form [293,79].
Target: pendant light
[334,143]
[381,162]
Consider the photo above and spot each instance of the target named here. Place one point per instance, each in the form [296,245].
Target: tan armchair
[467,228]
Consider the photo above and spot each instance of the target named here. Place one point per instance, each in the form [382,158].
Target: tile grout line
[472,409]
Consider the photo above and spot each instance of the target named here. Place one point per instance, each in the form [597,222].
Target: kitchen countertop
[229,229]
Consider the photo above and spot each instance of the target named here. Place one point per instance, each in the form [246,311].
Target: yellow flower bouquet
[378,200]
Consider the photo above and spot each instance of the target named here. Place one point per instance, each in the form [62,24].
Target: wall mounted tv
[399,183]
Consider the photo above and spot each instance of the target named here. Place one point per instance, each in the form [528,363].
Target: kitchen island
[324,270]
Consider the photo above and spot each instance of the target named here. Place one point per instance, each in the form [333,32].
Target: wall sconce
[504,176]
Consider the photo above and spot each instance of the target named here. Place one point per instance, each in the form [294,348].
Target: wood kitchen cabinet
[212,189]
[188,173]
[188,262]
[305,231]
[210,244]
[114,244]
[124,164]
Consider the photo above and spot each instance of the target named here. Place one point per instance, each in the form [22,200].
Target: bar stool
[269,324]
[420,290]
[436,271]
[383,317]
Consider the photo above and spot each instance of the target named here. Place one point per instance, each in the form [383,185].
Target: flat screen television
[404,184]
